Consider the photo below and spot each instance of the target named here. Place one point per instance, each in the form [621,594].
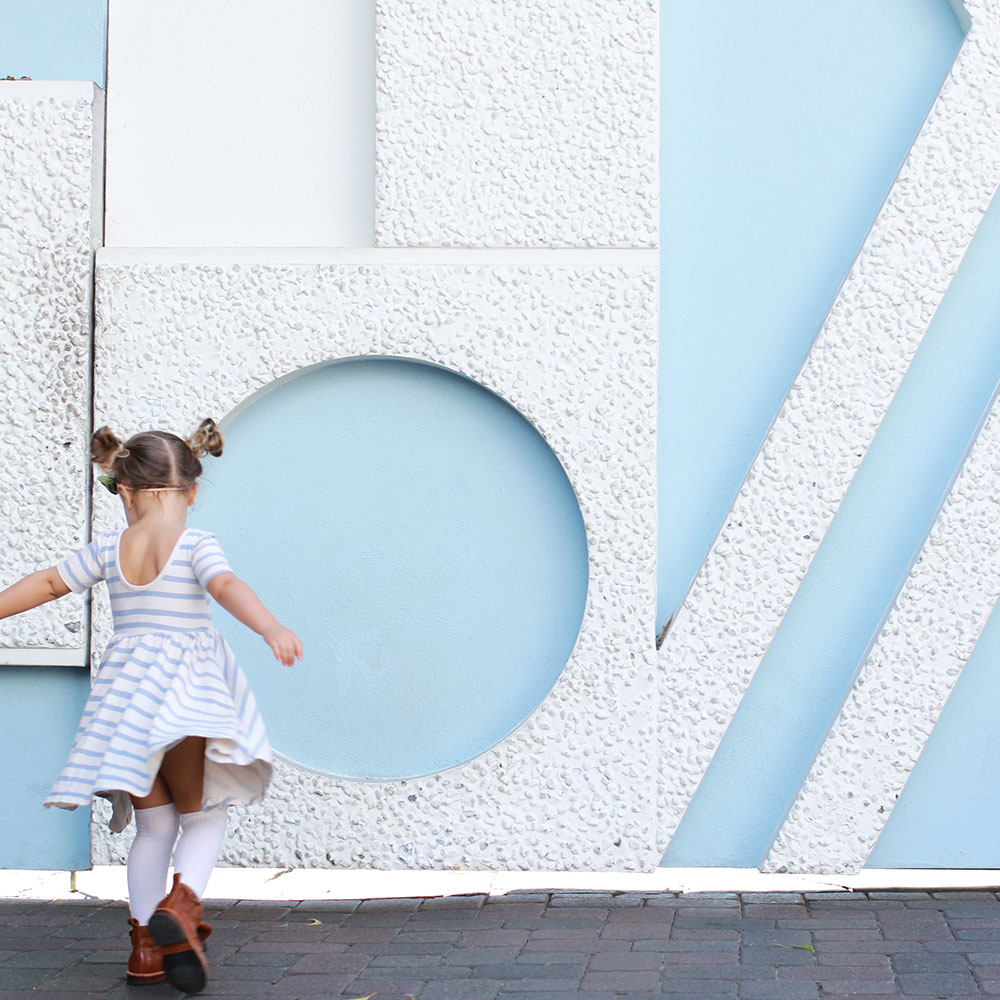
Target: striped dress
[166,674]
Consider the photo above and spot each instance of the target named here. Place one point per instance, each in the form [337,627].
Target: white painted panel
[241,123]
[50,193]
[574,349]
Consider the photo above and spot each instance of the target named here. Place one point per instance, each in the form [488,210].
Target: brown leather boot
[175,928]
[145,964]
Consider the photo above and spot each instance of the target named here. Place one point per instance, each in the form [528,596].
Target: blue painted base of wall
[41,709]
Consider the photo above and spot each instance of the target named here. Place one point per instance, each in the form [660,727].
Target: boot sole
[144,978]
[183,967]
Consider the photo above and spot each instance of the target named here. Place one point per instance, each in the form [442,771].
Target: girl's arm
[245,606]
[38,588]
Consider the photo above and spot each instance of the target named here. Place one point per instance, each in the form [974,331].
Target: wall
[54,39]
[241,123]
[49,146]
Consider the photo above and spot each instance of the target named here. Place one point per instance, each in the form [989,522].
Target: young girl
[171,728]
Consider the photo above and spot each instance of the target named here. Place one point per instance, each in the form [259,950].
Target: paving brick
[981,958]
[534,988]
[698,989]
[461,989]
[847,934]
[528,971]
[850,959]
[397,905]
[676,958]
[513,911]
[336,963]
[519,896]
[872,947]
[482,956]
[981,895]
[942,983]
[647,932]
[856,988]
[557,957]
[844,972]
[506,993]
[328,906]
[622,982]
[17,979]
[589,899]
[511,991]
[397,989]
[717,947]
[703,934]
[929,962]
[416,972]
[263,959]
[42,959]
[626,961]
[493,938]
[777,954]
[763,990]
[777,911]
[399,947]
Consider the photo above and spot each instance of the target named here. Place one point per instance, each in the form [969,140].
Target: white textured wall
[522,123]
[50,188]
[241,123]
[574,349]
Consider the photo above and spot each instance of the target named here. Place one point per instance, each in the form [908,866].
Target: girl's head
[155,459]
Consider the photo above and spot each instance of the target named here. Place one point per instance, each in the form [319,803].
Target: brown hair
[155,458]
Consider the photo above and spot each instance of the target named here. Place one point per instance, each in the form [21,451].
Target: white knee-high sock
[149,857]
[199,846]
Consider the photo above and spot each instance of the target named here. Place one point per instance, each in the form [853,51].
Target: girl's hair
[155,458]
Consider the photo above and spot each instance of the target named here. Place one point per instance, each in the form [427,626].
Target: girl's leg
[183,770]
[156,822]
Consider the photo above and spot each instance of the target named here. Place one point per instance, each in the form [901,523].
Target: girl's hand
[285,644]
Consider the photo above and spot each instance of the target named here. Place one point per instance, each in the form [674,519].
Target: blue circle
[426,545]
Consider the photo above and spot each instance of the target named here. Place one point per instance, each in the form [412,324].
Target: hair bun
[206,440]
[104,447]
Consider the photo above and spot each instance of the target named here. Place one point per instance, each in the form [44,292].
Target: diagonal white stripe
[906,679]
[831,414]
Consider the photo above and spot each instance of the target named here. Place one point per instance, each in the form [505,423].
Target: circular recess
[423,540]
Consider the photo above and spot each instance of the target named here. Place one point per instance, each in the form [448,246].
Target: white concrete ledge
[108,882]
[515,256]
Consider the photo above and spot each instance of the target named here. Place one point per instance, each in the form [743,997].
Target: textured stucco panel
[50,189]
[928,637]
[821,434]
[574,349]
[523,123]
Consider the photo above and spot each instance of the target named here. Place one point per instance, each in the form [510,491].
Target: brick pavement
[537,946]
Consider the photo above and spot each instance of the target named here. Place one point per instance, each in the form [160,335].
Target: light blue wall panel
[427,544]
[838,610]
[948,813]
[783,126]
[41,709]
[54,39]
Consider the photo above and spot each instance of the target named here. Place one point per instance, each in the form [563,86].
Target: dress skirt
[151,691]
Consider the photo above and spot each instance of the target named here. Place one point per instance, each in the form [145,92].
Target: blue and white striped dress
[166,674]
